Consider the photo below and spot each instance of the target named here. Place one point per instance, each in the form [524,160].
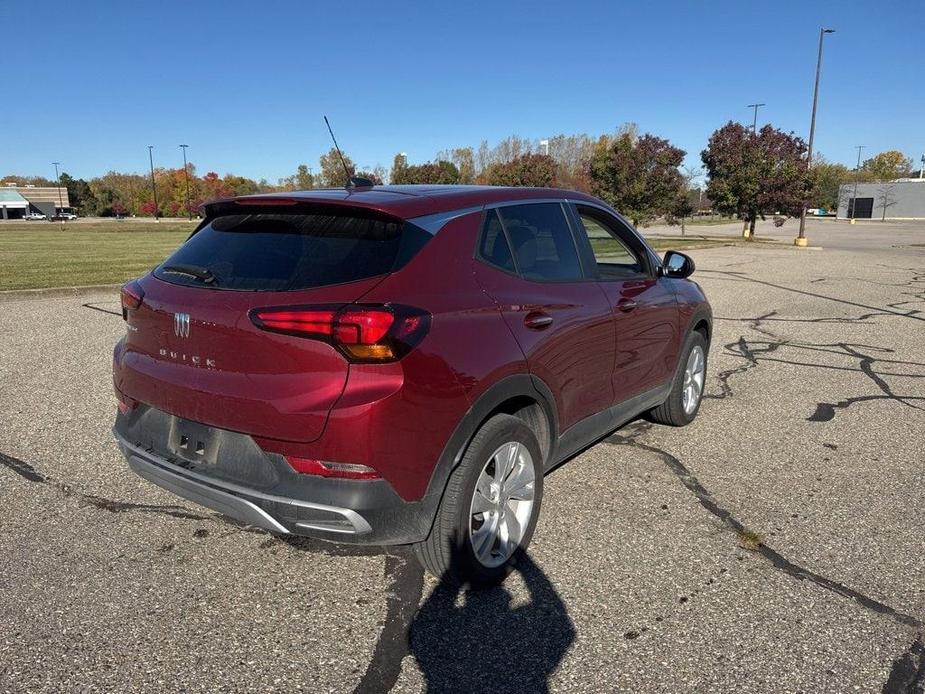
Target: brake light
[323,468]
[132,295]
[362,333]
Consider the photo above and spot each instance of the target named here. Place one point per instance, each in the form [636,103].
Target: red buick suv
[401,364]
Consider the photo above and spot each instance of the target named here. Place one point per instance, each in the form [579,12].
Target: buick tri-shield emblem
[181,324]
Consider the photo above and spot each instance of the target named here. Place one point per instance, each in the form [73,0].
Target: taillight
[323,468]
[362,333]
[132,295]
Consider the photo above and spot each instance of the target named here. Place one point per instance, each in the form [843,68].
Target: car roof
[404,201]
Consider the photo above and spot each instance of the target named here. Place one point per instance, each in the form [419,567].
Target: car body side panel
[575,354]
[648,336]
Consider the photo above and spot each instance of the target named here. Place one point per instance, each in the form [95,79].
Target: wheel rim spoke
[483,539]
[514,531]
[520,484]
[481,503]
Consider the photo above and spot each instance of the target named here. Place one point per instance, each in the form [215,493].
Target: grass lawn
[36,255]
[668,243]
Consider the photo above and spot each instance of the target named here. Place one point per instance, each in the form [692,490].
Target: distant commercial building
[903,198]
[17,201]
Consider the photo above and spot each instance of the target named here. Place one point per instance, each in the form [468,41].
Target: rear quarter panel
[399,417]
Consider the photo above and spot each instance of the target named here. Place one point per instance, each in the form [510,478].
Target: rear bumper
[364,512]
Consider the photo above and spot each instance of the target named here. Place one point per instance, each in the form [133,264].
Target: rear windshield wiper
[200,273]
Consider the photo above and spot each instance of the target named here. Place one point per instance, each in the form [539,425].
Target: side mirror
[677,265]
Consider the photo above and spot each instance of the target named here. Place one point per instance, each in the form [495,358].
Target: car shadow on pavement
[481,641]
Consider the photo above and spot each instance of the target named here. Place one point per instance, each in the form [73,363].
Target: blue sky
[246,84]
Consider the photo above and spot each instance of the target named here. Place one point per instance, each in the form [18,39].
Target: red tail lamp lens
[132,295]
[305,323]
[362,333]
[322,468]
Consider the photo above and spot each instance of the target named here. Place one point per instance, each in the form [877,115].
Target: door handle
[626,305]
[537,320]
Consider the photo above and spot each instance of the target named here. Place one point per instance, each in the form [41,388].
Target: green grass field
[39,255]
[43,255]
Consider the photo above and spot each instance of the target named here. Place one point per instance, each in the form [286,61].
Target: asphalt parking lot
[776,544]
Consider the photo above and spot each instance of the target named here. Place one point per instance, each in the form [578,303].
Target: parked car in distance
[34,216]
[64,217]
[401,364]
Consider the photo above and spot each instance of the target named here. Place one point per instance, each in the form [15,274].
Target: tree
[572,154]
[332,169]
[755,174]
[887,166]
[399,163]
[79,194]
[303,178]
[537,170]
[374,176]
[463,158]
[435,172]
[637,175]
[827,179]
[886,198]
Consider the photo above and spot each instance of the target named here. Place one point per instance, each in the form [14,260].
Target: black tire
[447,553]
[671,412]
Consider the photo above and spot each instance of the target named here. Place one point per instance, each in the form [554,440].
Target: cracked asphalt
[774,545]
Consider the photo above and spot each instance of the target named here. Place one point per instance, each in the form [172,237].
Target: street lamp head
[828,31]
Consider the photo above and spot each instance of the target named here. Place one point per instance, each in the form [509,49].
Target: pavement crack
[907,676]
[890,309]
[775,558]
[404,596]
[28,472]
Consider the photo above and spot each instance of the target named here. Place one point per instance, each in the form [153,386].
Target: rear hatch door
[191,348]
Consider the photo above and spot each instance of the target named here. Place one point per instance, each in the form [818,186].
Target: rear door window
[493,247]
[541,241]
[265,251]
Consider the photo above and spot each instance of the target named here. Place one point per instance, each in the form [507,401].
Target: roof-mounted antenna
[352,181]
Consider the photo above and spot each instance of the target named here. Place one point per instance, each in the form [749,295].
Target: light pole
[801,238]
[58,179]
[857,175]
[922,170]
[153,186]
[545,145]
[189,210]
[755,118]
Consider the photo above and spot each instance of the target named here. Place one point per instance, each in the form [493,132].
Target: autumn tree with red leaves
[752,175]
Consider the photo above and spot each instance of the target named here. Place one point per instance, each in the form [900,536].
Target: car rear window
[290,251]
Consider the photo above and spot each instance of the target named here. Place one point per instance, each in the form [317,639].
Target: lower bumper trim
[240,503]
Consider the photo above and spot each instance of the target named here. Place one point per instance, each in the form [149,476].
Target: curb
[55,292]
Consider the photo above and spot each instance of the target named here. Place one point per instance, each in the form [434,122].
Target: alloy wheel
[694,374]
[502,504]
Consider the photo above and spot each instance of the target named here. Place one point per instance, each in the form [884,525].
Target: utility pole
[922,170]
[545,145]
[755,118]
[189,210]
[801,238]
[153,186]
[857,175]
[58,179]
